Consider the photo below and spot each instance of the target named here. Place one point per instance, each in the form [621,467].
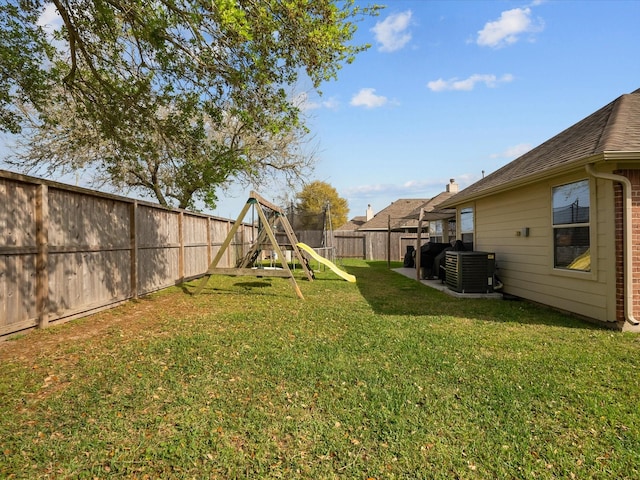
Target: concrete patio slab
[438,285]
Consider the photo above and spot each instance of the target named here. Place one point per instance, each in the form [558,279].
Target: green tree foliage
[170,96]
[319,202]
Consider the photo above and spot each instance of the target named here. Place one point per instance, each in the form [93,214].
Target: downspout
[627,238]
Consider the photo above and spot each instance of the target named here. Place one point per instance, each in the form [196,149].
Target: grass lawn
[381,379]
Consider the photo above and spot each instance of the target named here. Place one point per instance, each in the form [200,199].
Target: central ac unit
[470,272]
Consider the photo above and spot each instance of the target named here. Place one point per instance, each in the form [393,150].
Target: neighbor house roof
[398,210]
[614,128]
[404,213]
[353,224]
[411,220]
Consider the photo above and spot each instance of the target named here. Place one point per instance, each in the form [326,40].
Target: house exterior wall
[525,263]
[634,177]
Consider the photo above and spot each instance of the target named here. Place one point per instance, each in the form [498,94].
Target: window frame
[437,235]
[590,224]
[462,232]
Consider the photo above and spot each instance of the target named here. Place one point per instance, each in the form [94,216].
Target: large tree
[161,93]
[319,207]
[179,172]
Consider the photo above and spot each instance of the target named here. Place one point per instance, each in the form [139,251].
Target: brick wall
[634,178]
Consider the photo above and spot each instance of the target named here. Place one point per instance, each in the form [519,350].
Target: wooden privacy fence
[68,251]
[350,245]
[380,245]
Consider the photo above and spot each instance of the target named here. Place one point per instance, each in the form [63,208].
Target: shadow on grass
[237,285]
[390,293]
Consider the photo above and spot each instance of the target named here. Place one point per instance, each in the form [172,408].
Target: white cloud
[507,29]
[331,103]
[366,97]
[51,21]
[304,103]
[408,189]
[467,84]
[514,151]
[50,18]
[366,191]
[381,195]
[392,33]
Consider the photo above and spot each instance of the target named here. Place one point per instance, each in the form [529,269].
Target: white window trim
[459,230]
[593,234]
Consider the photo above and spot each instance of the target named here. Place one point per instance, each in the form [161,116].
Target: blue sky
[450,89]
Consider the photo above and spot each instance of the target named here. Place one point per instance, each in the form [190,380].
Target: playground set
[270,217]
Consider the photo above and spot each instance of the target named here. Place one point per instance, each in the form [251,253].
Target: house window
[466,225]
[435,231]
[571,238]
[451,225]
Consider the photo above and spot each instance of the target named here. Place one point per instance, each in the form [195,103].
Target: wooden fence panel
[219,231]
[83,281]
[313,238]
[241,243]
[17,215]
[196,245]
[88,252]
[158,248]
[18,252]
[17,292]
[83,222]
[379,245]
[68,251]
[350,245]
[365,245]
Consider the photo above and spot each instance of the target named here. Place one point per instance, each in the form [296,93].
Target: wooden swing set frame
[268,224]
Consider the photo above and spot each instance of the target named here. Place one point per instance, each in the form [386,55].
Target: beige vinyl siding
[526,263]
[605,242]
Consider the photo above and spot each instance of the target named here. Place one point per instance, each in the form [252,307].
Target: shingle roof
[404,212]
[397,211]
[411,219]
[613,128]
[353,224]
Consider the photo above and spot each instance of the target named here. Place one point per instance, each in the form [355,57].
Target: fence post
[133,246]
[418,258]
[389,241]
[209,245]
[42,255]
[233,243]
[181,247]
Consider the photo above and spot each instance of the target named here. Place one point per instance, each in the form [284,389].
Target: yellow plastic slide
[348,277]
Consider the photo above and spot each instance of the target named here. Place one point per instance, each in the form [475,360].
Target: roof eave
[620,156]
[460,198]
